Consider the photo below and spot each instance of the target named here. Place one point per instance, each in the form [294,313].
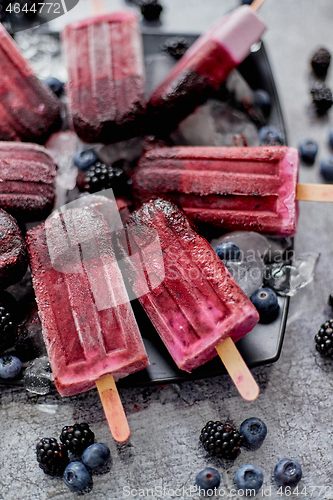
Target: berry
[101,176]
[266,303]
[263,101]
[320,62]
[10,366]
[270,136]
[228,251]
[254,431]
[76,476]
[221,440]
[151,10]
[55,85]
[8,329]
[322,98]
[175,47]
[95,455]
[77,437]
[85,158]
[51,456]
[287,472]
[326,168]
[324,339]
[249,477]
[308,150]
[208,479]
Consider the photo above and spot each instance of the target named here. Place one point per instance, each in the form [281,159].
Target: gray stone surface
[295,398]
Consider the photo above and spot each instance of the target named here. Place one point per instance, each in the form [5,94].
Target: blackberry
[320,62]
[322,98]
[151,9]
[324,339]
[8,329]
[100,176]
[52,456]
[221,440]
[175,47]
[77,437]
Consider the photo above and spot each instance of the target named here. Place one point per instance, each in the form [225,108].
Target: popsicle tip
[256,4]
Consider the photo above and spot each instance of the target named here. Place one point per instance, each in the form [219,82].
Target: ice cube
[248,273]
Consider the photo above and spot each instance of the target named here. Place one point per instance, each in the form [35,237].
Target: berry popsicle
[27,180]
[105,77]
[234,188]
[197,307]
[203,67]
[29,111]
[88,324]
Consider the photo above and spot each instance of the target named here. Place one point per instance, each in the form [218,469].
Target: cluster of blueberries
[308,150]
[287,472]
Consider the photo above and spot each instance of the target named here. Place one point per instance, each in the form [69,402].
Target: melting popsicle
[203,67]
[88,324]
[29,111]
[234,188]
[106,77]
[27,180]
[197,306]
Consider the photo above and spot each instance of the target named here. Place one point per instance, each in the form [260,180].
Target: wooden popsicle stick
[314,192]
[97,7]
[256,4]
[238,369]
[113,408]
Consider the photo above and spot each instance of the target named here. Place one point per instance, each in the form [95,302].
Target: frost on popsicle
[77,244]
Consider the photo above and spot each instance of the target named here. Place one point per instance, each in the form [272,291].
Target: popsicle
[197,304]
[203,67]
[234,188]
[105,77]
[29,111]
[88,324]
[27,180]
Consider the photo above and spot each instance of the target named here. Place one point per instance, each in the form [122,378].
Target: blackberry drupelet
[77,437]
[100,176]
[322,98]
[150,9]
[51,456]
[221,440]
[175,46]
[324,339]
[320,62]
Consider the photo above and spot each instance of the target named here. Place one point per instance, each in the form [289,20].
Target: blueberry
[308,150]
[287,472]
[263,101]
[228,251]
[55,85]
[254,431]
[326,168]
[10,366]
[270,136]
[95,455]
[85,158]
[208,479]
[266,303]
[76,476]
[249,477]
[330,138]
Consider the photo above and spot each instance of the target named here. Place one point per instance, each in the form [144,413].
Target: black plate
[263,344]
